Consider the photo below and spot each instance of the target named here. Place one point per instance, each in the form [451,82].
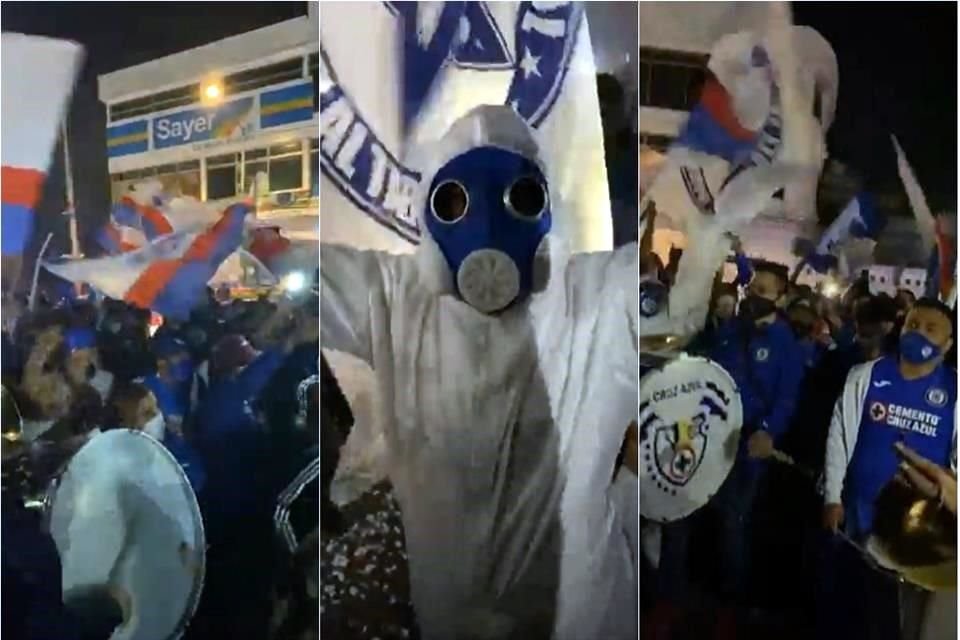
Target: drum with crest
[124,518]
[689,428]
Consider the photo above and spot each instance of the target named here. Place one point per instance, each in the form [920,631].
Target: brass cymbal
[915,536]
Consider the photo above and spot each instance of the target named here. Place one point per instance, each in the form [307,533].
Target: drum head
[124,508]
[690,419]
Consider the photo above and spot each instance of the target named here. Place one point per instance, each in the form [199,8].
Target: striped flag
[859,219]
[110,238]
[170,274]
[37,80]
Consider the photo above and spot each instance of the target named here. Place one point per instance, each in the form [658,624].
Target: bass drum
[123,516]
[689,429]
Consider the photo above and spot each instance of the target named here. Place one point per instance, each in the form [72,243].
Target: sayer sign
[229,120]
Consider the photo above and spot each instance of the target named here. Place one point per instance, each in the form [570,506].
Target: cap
[166,345]
[79,338]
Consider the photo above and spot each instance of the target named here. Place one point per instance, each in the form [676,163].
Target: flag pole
[75,253]
[68,174]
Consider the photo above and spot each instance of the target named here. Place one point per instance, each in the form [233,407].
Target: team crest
[439,40]
[689,422]
[878,412]
[936,397]
[678,447]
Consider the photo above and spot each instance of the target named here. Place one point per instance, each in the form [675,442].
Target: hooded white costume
[505,427]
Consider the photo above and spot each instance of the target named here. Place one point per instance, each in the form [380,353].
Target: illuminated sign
[229,121]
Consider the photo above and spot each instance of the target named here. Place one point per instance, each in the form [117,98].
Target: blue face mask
[916,348]
[489,211]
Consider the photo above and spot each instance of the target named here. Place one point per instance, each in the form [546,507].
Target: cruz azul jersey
[919,413]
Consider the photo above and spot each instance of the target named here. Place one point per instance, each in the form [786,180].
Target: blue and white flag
[859,219]
[756,110]
[394,75]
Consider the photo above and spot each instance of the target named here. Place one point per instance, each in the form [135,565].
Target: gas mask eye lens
[449,202]
[526,198]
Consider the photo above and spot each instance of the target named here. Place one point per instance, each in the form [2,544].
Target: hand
[760,445]
[832,516]
[928,478]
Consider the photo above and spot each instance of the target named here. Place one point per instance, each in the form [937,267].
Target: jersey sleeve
[787,390]
[844,430]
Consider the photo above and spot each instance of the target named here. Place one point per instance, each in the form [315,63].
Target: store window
[254,162]
[182,179]
[286,167]
[222,176]
[670,79]
[282,163]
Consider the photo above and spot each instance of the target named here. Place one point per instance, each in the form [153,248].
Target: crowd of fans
[231,394]
[767,553]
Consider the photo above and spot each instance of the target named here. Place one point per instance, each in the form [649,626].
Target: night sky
[898,74]
[118,35]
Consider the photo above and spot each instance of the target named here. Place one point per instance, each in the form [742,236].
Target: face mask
[754,307]
[155,427]
[916,348]
[489,212]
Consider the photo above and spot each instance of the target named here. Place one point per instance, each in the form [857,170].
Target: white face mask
[155,427]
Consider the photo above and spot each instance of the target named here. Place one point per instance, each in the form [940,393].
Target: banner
[395,75]
[37,80]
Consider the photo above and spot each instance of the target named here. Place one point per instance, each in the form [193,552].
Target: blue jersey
[768,368]
[172,400]
[919,413]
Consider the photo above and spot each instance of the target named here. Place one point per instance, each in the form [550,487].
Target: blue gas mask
[489,211]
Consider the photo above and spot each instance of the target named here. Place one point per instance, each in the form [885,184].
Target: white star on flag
[529,64]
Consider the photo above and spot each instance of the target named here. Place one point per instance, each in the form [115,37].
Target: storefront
[207,121]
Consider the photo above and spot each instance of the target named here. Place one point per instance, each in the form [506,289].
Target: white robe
[503,438]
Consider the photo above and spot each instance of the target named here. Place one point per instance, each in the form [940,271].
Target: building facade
[207,121]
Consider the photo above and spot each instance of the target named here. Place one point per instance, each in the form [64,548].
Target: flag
[110,238]
[146,213]
[169,275]
[396,75]
[941,268]
[926,224]
[37,80]
[142,212]
[859,219]
[756,109]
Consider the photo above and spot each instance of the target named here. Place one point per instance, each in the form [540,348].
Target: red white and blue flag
[37,78]
[170,274]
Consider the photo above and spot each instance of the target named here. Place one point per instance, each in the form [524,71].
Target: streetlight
[211,91]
